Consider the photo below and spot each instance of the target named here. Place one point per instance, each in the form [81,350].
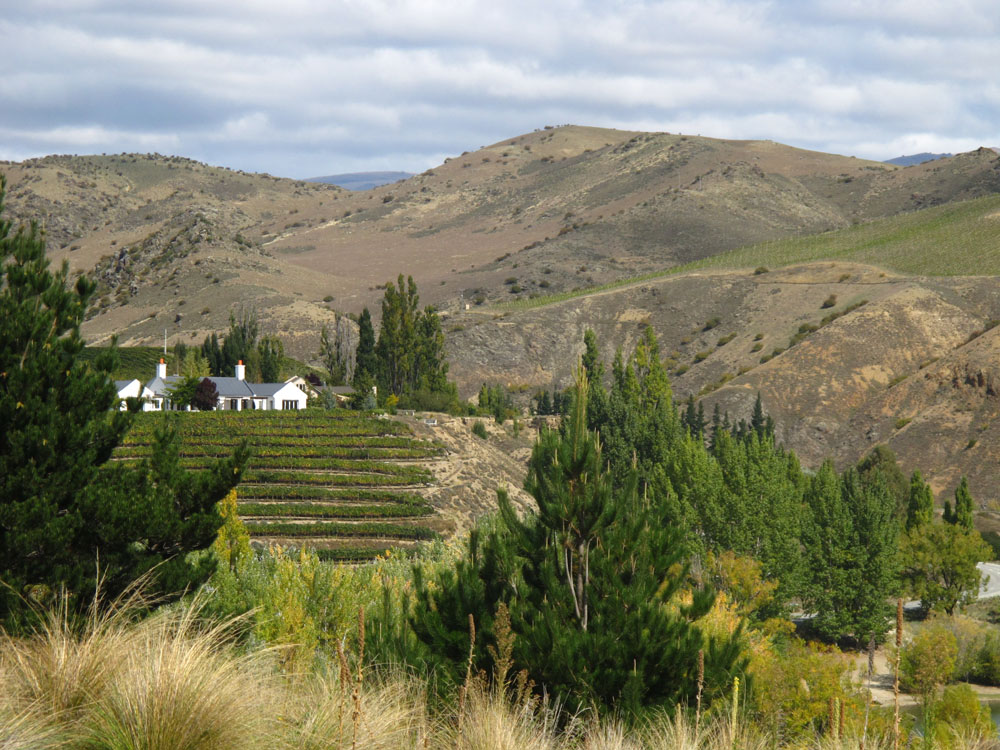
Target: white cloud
[314,85]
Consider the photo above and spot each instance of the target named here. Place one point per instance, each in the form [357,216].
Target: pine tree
[587,580]
[66,514]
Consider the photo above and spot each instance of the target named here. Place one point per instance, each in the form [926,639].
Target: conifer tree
[67,516]
[587,579]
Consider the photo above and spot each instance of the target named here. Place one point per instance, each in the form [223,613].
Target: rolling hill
[177,244]
[857,297]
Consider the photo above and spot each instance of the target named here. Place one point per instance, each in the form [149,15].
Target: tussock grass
[176,682]
[181,687]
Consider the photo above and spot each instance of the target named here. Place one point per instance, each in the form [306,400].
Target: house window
[287,404]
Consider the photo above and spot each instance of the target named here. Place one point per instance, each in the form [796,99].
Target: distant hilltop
[362,180]
[909,161]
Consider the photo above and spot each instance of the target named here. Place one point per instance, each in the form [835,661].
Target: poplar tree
[920,508]
[850,539]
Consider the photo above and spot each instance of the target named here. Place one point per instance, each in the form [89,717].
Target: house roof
[121,385]
[267,389]
[232,387]
[160,386]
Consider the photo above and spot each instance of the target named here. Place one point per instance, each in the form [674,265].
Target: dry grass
[173,682]
[181,687]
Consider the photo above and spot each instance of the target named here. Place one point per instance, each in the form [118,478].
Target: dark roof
[119,384]
[266,389]
[232,387]
[160,386]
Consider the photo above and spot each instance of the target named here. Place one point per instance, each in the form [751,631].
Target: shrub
[902,422]
[829,302]
[711,323]
[702,355]
[479,430]
[725,339]
[759,270]
[757,347]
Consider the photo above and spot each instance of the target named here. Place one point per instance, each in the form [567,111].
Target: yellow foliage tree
[232,545]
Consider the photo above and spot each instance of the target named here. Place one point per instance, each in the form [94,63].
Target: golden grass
[175,682]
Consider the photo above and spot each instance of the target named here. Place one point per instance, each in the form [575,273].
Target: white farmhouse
[235,393]
[134,389]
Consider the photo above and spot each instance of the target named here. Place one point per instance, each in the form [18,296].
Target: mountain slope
[895,359]
[177,244]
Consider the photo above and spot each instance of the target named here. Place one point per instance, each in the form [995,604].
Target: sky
[302,88]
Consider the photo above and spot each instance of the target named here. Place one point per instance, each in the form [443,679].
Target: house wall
[288,393]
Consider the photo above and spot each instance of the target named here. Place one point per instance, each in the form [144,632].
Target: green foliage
[920,507]
[939,564]
[593,584]
[793,688]
[365,361]
[850,543]
[960,713]
[332,353]
[270,355]
[964,512]
[182,393]
[880,465]
[67,516]
[410,349]
[479,430]
[927,662]
[496,400]
[232,544]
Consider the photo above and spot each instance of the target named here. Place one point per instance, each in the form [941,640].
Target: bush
[759,270]
[479,430]
[829,302]
[711,323]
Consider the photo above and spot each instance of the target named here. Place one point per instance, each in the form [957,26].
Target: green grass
[956,239]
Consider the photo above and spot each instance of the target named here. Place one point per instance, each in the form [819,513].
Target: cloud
[307,86]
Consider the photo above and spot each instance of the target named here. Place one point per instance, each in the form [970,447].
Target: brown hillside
[910,367]
[176,244]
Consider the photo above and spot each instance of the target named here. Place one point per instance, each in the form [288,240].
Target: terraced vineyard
[343,483]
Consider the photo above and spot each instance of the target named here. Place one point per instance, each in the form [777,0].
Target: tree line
[597,593]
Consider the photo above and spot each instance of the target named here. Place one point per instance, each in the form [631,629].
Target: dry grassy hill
[844,356]
[176,244]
